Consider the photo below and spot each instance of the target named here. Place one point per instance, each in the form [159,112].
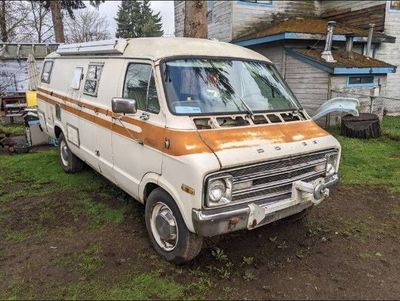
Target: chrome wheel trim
[64,153]
[162,213]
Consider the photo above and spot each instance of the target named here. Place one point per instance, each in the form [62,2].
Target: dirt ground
[347,248]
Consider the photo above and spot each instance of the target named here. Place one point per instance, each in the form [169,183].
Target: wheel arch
[153,181]
[58,130]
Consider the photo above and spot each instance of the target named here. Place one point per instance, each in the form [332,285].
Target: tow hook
[316,191]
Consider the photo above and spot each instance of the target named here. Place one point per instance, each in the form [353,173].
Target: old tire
[167,230]
[69,162]
[298,216]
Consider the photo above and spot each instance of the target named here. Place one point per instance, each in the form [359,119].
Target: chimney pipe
[327,53]
[349,45]
[370,34]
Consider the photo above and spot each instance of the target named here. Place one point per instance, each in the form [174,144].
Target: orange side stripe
[193,141]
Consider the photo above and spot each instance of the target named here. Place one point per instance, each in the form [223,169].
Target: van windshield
[207,86]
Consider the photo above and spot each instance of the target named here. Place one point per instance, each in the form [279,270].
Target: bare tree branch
[87,26]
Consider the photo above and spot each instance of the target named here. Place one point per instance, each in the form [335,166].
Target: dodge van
[207,135]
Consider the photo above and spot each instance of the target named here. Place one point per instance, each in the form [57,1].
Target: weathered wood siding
[247,16]
[179,11]
[330,5]
[355,13]
[275,54]
[390,53]
[309,84]
[220,20]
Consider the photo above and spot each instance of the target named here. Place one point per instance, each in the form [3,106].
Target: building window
[210,7]
[257,2]
[46,73]
[92,79]
[394,5]
[360,81]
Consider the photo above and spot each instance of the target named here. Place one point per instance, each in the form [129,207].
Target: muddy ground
[56,246]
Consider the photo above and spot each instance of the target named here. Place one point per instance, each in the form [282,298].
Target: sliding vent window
[140,86]
[47,67]
[92,80]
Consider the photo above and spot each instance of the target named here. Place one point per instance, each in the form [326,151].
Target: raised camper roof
[157,48]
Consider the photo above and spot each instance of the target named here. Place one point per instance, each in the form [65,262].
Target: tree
[152,26]
[136,19]
[195,24]
[37,26]
[87,26]
[56,6]
[12,16]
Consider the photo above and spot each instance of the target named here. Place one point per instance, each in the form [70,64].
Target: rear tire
[167,230]
[69,162]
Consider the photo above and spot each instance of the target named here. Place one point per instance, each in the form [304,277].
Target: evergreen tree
[136,19]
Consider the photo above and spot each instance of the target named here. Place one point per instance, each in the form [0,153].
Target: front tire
[167,230]
[69,162]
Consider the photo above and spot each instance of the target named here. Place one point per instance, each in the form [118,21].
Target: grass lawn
[41,177]
[374,162]
[12,129]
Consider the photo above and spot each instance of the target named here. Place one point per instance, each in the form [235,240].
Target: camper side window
[92,80]
[140,85]
[47,67]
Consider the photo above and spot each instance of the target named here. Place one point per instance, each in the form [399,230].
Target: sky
[166,9]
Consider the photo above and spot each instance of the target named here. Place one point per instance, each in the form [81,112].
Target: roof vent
[327,53]
[349,45]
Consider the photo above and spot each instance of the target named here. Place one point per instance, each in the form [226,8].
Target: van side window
[140,85]
[46,73]
[92,79]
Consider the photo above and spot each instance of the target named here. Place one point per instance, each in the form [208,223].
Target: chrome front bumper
[249,216]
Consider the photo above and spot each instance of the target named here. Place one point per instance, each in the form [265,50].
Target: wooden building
[293,35]
[14,67]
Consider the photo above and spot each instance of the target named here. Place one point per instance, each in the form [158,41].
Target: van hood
[249,144]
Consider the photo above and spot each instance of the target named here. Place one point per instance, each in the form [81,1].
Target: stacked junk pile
[24,106]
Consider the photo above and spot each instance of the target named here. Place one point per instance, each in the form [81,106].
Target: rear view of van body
[206,134]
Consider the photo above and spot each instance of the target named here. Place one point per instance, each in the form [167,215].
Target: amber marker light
[187,189]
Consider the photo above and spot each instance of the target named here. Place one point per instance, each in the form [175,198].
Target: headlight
[331,164]
[219,191]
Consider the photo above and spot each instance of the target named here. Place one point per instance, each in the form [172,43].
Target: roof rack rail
[114,46]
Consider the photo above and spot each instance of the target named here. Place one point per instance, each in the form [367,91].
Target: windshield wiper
[246,106]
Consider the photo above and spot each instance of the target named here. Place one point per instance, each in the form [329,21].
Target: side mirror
[123,105]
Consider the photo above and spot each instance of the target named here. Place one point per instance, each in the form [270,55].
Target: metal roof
[16,51]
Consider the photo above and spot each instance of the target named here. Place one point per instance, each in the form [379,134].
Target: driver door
[134,134]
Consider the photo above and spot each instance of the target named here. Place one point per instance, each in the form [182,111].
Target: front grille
[272,181]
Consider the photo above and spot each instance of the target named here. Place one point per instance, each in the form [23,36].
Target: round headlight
[216,190]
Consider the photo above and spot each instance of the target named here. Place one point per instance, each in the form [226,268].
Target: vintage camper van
[207,135]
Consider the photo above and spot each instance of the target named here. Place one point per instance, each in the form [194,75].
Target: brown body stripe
[187,142]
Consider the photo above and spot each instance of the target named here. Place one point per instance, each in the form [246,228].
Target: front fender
[184,207]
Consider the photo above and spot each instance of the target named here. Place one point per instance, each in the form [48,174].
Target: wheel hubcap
[64,153]
[163,226]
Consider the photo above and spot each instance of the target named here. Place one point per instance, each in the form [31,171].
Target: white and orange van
[206,134]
